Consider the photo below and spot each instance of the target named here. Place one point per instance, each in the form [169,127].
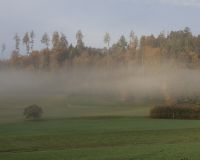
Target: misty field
[99,80]
[95,117]
[100,128]
[56,107]
[103,138]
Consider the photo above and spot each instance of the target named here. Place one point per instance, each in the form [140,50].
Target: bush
[33,112]
[178,111]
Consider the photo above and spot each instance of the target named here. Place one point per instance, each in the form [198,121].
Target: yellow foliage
[151,56]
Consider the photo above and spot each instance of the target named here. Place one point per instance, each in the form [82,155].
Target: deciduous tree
[107,39]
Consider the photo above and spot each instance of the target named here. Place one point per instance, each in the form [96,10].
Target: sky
[94,18]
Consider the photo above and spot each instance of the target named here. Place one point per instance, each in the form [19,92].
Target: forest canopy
[175,47]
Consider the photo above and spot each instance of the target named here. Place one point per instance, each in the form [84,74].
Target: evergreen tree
[32,36]
[26,41]
[17,43]
[45,40]
[79,38]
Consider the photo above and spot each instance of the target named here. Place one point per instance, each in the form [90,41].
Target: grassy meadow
[60,106]
[99,128]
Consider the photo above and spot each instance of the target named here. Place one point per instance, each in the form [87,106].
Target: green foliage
[180,111]
[33,112]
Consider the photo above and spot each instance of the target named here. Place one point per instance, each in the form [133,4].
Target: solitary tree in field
[79,38]
[26,41]
[33,112]
[45,40]
[17,43]
[107,39]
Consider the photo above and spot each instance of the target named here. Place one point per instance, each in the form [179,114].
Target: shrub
[178,111]
[33,112]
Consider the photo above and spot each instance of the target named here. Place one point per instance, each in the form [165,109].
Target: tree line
[176,46]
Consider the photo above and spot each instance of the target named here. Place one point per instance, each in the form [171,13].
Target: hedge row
[176,112]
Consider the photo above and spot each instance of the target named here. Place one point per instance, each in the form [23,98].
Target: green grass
[93,128]
[62,106]
[102,138]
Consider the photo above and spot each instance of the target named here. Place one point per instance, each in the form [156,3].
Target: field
[94,129]
[60,106]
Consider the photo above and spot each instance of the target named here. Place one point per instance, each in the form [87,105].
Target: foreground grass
[140,152]
[101,138]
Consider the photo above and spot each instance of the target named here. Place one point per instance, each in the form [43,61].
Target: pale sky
[95,17]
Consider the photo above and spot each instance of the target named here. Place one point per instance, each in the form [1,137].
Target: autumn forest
[175,47]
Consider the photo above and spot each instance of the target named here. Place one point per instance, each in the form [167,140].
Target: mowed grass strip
[113,139]
[133,152]
[95,133]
